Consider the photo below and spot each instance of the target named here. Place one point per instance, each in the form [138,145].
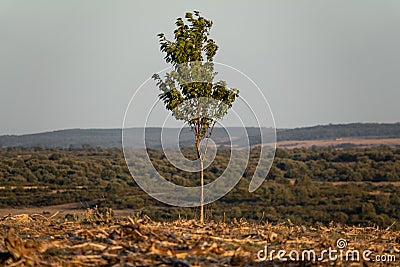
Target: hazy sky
[76,64]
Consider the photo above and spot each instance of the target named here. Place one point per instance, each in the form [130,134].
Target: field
[60,211]
[353,186]
[340,142]
[99,239]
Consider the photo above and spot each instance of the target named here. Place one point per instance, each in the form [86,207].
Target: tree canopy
[189,90]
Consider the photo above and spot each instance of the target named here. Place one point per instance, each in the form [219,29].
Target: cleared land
[363,142]
[101,240]
[60,211]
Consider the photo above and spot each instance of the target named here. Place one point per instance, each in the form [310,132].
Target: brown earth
[363,142]
[102,240]
[61,211]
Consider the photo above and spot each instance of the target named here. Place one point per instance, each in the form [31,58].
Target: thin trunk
[202,191]
[200,157]
[201,178]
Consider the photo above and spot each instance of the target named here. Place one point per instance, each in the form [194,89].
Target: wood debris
[102,240]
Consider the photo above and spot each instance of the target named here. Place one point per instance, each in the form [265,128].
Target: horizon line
[136,127]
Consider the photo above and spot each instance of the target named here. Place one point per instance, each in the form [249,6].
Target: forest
[354,186]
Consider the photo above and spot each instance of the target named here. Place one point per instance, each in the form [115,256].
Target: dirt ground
[100,239]
[364,142]
[61,211]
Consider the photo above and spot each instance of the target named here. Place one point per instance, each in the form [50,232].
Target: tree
[189,90]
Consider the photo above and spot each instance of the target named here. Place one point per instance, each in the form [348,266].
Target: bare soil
[102,240]
[364,142]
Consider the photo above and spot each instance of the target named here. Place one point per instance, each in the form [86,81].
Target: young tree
[189,90]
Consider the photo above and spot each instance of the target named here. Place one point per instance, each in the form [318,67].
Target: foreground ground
[99,239]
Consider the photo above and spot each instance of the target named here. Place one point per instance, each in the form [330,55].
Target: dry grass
[362,142]
[99,239]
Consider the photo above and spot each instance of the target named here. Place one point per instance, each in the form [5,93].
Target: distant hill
[65,138]
[112,137]
[107,138]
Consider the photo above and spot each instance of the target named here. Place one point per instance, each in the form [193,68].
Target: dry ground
[363,142]
[102,240]
[75,208]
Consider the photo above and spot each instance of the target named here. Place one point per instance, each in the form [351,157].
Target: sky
[76,64]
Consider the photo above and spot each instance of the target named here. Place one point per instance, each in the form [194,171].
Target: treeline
[108,138]
[88,166]
[305,185]
[333,165]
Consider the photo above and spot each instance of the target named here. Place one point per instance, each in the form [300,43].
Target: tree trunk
[202,191]
[201,178]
